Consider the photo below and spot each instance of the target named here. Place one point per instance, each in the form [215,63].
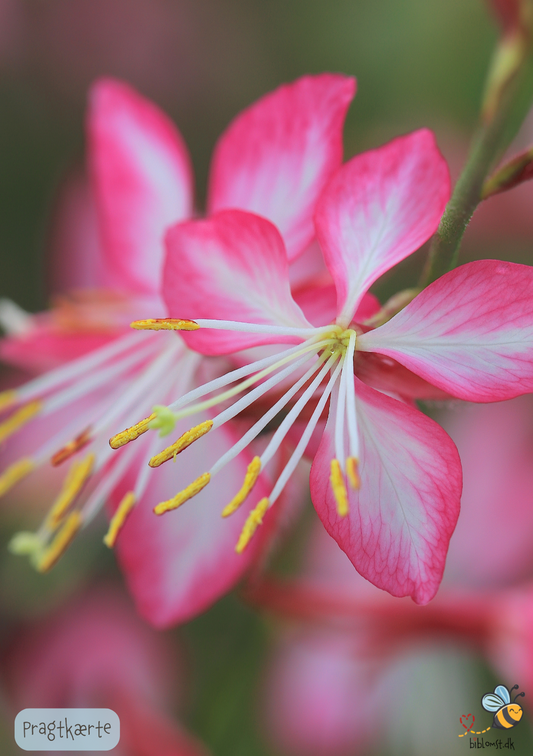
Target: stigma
[310,374]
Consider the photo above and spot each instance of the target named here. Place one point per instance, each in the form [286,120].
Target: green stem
[466,196]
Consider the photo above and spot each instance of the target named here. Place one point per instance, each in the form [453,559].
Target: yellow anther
[130,434]
[164,324]
[119,518]
[254,468]
[7,399]
[25,543]
[255,518]
[352,472]
[72,447]
[339,488]
[19,418]
[15,472]
[180,498]
[182,443]
[59,545]
[72,485]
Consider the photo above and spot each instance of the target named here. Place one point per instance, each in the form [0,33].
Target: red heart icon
[465,721]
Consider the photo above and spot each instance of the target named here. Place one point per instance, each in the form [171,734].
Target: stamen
[352,472]
[164,324]
[15,472]
[74,482]
[119,518]
[7,399]
[72,447]
[255,518]
[351,413]
[60,543]
[194,488]
[301,446]
[130,434]
[339,488]
[274,361]
[252,473]
[273,330]
[182,443]
[19,418]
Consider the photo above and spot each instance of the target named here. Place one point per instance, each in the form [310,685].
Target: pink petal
[142,181]
[470,333]
[491,546]
[397,531]
[387,375]
[379,208]
[276,156]
[229,267]
[75,259]
[46,347]
[318,696]
[95,643]
[180,563]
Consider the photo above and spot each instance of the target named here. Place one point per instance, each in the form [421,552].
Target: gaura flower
[97,653]
[386,480]
[273,159]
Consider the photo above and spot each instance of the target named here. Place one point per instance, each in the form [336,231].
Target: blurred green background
[418,63]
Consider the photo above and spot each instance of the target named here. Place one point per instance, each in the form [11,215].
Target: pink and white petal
[470,333]
[379,208]
[318,302]
[178,564]
[276,156]
[46,347]
[231,266]
[142,181]
[400,521]
[387,375]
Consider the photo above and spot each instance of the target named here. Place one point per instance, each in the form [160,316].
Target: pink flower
[386,480]
[274,159]
[97,653]
[349,649]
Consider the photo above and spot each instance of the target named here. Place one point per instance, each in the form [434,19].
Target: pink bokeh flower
[97,653]
[346,650]
[386,480]
[274,159]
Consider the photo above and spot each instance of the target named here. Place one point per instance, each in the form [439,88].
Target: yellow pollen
[72,447]
[119,518]
[352,472]
[252,473]
[74,481]
[339,488]
[255,518]
[164,324]
[182,443]
[180,498]
[15,472]
[7,399]
[130,434]
[19,418]
[60,543]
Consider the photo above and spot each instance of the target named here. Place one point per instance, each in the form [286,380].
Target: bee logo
[507,713]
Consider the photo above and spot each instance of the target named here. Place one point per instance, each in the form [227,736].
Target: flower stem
[486,147]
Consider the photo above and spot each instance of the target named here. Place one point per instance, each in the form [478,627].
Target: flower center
[314,371]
